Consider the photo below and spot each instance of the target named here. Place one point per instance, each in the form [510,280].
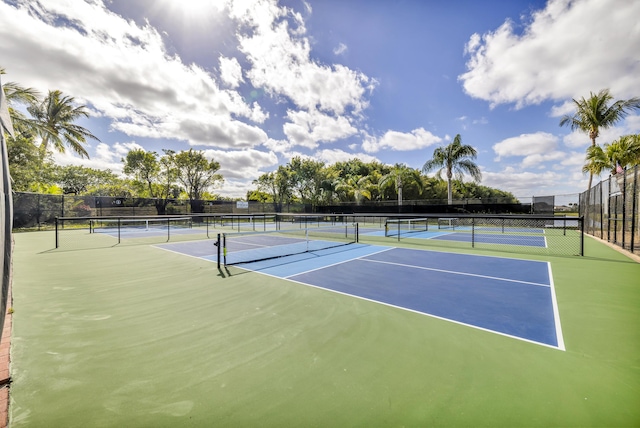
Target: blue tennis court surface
[482,238]
[510,238]
[511,297]
[151,232]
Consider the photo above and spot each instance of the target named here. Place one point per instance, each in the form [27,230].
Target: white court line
[425,313]
[183,254]
[336,263]
[559,337]
[556,311]
[459,273]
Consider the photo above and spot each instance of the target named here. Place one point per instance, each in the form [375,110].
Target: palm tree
[616,156]
[625,151]
[455,159]
[597,112]
[401,175]
[358,186]
[597,161]
[16,94]
[55,117]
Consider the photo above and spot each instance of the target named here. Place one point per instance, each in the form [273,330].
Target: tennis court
[484,238]
[532,235]
[501,295]
[363,334]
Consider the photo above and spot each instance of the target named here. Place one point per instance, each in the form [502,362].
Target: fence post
[473,232]
[218,244]
[634,205]
[609,210]
[56,232]
[582,236]
[624,205]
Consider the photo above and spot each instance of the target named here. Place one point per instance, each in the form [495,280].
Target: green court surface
[134,336]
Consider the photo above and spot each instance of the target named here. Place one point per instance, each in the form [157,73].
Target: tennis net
[246,247]
[402,226]
[124,224]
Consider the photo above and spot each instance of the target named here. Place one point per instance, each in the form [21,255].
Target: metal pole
[218,244]
[224,248]
[609,210]
[473,232]
[582,236]
[634,205]
[624,205]
[56,232]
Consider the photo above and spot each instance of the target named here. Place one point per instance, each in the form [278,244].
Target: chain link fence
[611,209]
[39,211]
[33,211]
[532,234]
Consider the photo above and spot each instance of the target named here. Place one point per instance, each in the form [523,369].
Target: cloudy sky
[255,82]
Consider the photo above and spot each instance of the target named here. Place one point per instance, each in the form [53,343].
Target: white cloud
[576,139]
[567,50]
[123,70]
[401,141]
[230,71]
[331,156]
[307,128]
[579,139]
[243,164]
[566,108]
[106,157]
[536,149]
[526,144]
[278,146]
[342,48]
[526,184]
[573,159]
[281,61]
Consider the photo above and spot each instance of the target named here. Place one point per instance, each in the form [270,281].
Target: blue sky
[253,83]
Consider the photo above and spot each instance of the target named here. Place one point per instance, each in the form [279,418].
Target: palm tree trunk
[588,195]
[449,192]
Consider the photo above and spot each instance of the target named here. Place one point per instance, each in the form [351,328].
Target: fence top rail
[493,216]
[137,217]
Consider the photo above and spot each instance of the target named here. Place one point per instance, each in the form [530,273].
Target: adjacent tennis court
[502,295]
[357,334]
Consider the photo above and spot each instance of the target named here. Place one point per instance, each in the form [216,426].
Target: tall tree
[54,118]
[156,176]
[358,188]
[277,184]
[455,159]
[196,173]
[29,172]
[625,151]
[614,156]
[306,177]
[596,161]
[81,180]
[595,113]
[401,176]
[14,95]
